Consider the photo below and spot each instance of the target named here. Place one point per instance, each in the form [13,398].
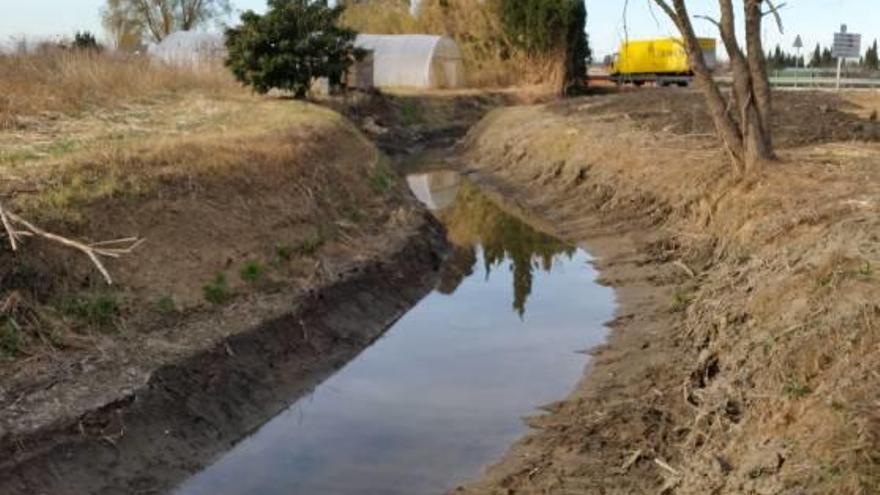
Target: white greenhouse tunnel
[190,48]
[414,61]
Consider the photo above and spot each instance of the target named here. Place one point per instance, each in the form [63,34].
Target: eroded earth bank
[278,244]
[743,356]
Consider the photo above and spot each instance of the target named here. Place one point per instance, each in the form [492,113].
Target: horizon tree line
[820,57]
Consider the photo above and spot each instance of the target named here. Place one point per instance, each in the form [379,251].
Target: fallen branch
[17,227]
[634,458]
[666,467]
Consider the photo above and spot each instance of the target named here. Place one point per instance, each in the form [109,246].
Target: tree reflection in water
[473,221]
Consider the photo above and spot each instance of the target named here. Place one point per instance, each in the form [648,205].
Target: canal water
[444,392]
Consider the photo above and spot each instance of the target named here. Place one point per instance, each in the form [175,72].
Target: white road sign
[847,45]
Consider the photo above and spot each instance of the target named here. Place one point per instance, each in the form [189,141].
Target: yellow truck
[662,61]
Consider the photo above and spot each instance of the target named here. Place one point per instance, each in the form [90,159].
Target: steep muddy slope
[277,244]
[742,355]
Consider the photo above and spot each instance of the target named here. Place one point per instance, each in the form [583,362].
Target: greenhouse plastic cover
[190,48]
[417,60]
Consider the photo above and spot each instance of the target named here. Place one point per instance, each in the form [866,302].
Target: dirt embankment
[278,244]
[743,356]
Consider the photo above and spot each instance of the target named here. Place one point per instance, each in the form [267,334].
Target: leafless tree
[124,26]
[741,120]
[159,18]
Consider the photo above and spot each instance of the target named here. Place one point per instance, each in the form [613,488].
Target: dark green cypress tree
[827,58]
[872,58]
[816,60]
[777,60]
[542,26]
[578,53]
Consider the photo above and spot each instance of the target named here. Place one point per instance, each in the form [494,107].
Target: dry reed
[70,81]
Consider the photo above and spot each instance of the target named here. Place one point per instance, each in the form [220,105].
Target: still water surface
[443,393]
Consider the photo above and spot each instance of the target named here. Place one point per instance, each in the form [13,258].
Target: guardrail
[815,82]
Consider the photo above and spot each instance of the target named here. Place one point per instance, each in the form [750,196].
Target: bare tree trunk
[743,122]
[190,12]
[757,63]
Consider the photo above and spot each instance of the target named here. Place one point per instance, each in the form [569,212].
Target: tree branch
[707,18]
[774,10]
[727,128]
[7,225]
[109,249]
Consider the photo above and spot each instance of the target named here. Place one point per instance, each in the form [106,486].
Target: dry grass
[96,144]
[71,81]
[787,267]
[76,161]
[491,58]
[204,181]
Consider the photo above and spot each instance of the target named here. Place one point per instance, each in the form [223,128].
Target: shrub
[85,41]
[10,337]
[165,305]
[217,290]
[284,253]
[311,244]
[382,181]
[295,42]
[411,113]
[252,271]
[97,310]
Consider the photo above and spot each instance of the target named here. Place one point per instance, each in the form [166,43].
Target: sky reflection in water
[443,393]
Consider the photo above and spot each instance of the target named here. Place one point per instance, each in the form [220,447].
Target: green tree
[872,58]
[827,58]
[536,25]
[776,59]
[84,40]
[295,42]
[816,58]
[578,53]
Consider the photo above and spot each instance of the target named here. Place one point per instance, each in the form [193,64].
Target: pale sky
[814,20]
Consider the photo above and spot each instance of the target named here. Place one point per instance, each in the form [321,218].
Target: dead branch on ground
[17,227]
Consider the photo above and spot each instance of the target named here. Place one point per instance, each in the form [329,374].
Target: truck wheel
[638,84]
[683,84]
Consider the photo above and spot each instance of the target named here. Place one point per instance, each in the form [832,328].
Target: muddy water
[443,393]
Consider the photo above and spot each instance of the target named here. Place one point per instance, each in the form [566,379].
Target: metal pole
[839,68]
